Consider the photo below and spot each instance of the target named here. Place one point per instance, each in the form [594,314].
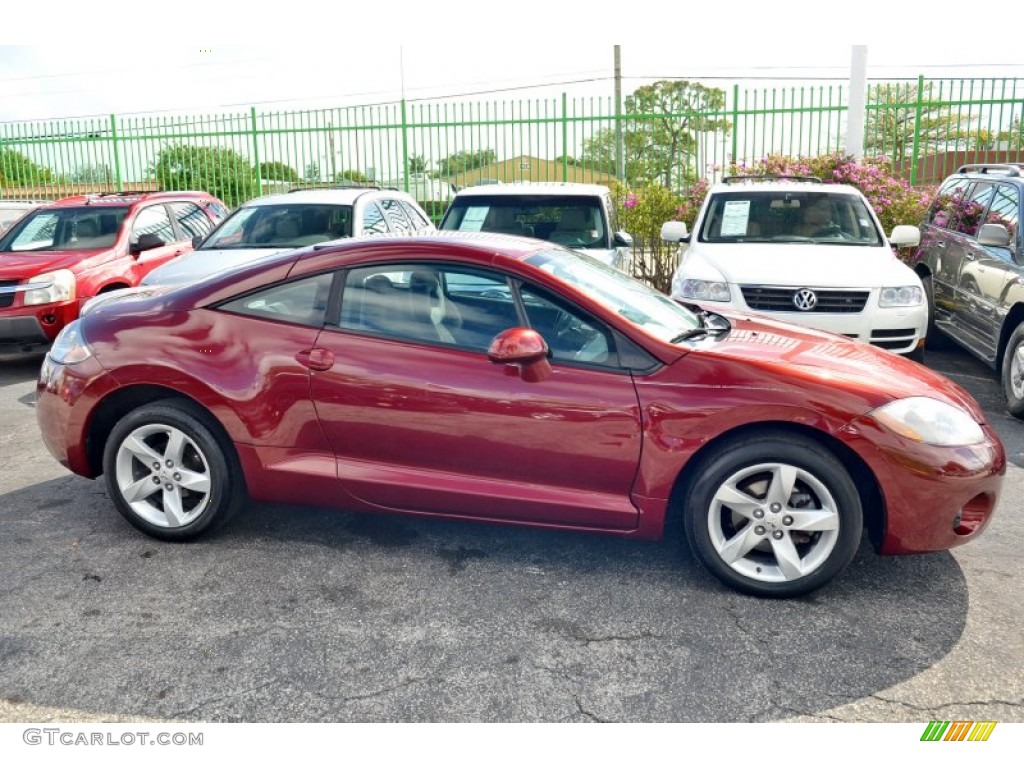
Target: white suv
[803,252]
[578,216]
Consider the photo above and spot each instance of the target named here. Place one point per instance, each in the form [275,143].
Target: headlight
[925,420]
[70,346]
[904,296]
[706,290]
[53,287]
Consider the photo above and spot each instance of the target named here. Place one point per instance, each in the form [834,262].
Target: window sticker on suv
[473,220]
[735,218]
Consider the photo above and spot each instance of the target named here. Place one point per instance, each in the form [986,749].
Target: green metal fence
[427,148]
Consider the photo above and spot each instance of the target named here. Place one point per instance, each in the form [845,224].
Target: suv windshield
[281,226]
[788,216]
[575,221]
[65,229]
[655,312]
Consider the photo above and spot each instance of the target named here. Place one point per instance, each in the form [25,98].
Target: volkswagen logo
[805,300]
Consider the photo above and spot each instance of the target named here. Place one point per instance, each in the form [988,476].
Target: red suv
[58,256]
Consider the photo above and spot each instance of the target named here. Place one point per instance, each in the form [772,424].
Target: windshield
[65,229]
[572,220]
[654,312]
[787,216]
[281,226]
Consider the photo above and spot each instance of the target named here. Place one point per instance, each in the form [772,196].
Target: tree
[464,161]
[355,176]
[417,164]
[278,171]
[92,174]
[892,121]
[16,170]
[222,172]
[661,135]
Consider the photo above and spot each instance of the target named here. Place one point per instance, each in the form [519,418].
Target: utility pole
[620,160]
[857,101]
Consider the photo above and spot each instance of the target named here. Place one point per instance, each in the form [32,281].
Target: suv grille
[6,299]
[772,299]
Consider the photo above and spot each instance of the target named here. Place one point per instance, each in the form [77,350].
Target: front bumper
[934,497]
[34,326]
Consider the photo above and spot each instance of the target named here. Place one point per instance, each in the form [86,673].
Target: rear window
[575,221]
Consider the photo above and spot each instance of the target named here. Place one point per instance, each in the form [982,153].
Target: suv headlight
[53,287]
[925,420]
[70,346]
[903,296]
[706,290]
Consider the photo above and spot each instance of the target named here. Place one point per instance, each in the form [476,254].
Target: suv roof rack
[772,177]
[1008,169]
[341,185]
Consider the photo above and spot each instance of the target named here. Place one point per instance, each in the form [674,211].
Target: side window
[571,337]
[1005,209]
[191,219]
[302,302]
[963,210]
[417,219]
[428,303]
[153,221]
[373,220]
[939,215]
[396,217]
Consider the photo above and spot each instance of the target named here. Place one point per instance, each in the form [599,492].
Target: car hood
[798,264]
[781,354]
[18,265]
[196,265]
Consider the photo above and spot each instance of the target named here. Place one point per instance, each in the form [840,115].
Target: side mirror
[524,350]
[146,242]
[905,236]
[622,239]
[196,241]
[675,232]
[995,235]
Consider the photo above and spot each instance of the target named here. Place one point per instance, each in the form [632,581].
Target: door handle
[316,359]
[968,255]
[940,243]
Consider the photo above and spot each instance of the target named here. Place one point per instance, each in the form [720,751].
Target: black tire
[747,468]
[1013,372]
[178,491]
[935,339]
[917,355]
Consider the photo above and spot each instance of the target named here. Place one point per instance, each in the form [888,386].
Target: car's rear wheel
[773,515]
[1013,372]
[169,473]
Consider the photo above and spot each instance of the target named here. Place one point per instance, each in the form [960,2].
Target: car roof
[761,184]
[1001,171]
[534,188]
[131,198]
[331,196]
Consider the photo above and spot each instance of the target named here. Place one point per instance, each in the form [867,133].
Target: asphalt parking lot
[305,614]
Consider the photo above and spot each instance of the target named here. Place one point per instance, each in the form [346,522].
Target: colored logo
[958,730]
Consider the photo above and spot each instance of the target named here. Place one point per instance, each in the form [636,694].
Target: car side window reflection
[570,336]
[428,303]
[373,220]
[303,301]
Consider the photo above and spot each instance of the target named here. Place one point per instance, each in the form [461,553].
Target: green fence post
[117,154]
[405,148]
[565,137]
[735,121]
[256,153]
[917,130]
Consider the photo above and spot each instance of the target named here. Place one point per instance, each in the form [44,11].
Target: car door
[421,420]
[969,216]
[155,220]
[944,249]
[988,272]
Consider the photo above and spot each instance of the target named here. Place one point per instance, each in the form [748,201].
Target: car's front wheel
[1013,372]
[773,515]
[169,473]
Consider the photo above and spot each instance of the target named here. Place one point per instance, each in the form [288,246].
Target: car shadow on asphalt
[309,614]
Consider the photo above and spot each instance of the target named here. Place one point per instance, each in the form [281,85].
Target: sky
[229,62]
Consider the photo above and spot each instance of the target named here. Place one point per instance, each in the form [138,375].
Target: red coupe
[485,377]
